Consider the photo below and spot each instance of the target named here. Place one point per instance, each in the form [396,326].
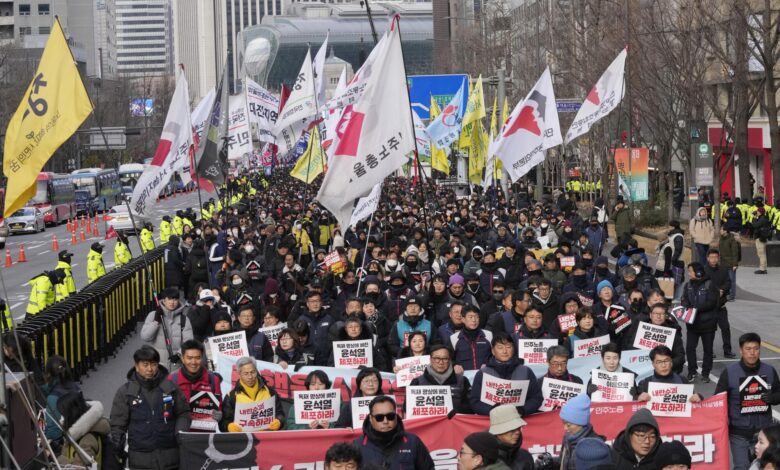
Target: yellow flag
[475,107]
[52,109]
[493,119]
[497,170]
[478,153]
[311,163]
[439,160]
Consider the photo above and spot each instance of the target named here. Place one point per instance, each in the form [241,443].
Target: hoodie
[623,455]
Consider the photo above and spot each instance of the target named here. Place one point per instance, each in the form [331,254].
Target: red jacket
[204,397]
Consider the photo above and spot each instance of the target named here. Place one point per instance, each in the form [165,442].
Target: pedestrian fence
[87,327]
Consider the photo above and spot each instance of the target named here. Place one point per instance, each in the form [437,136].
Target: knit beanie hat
[577,410]
[456,279]
[484,444]
[603,284]
[671,453]
[591,452]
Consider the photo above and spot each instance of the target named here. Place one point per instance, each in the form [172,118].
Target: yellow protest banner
[439,160]
[311,163]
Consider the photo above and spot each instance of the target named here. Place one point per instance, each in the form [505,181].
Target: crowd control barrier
[88,326]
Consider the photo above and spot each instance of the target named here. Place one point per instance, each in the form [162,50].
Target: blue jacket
[401,330]
[404,451]
[471,354]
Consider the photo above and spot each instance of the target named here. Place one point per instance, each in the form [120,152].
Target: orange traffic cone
[82,237]
[95,230]
[55,245]
[8,261]
[89,224]
[22,257]
[73,239]
[68,226]
[82,220]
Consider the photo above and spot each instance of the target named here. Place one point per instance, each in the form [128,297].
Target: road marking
[44,252]
[16,304]
[770,346]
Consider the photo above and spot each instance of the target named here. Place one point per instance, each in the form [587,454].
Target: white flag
[605,96]
[446,127]
[421,134]
[239,136]
[172,152]
[319,71]
[530,130]
[366,205]
[378,137]
[201,113]
[263,109]
[357,85]
[333,116]
[299,109]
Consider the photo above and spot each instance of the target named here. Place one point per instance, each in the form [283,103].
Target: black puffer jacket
[623,456]
[702,294]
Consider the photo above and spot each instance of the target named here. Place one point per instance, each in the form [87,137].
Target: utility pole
[627,81]
[500,95]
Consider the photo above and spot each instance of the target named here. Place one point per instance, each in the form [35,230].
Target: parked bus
[55,197]
[103,186]
[130,172]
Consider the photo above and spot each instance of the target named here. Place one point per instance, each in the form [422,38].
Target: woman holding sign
[315,381]
[289,351]
[355,330]
[586,329]
[252,405]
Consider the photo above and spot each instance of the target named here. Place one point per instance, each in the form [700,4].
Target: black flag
[211,159]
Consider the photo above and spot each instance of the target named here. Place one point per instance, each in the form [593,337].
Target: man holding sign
[252,405]
[753,388]
[661,329]
[662,373]
[505,380]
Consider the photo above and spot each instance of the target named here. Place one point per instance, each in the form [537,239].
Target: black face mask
[629,284]
[489,266]
[636,304]
[587,262]
[579,280]
[537,272]
[529,238]
[602,270]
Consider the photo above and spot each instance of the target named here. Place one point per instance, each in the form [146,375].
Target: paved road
[40,256]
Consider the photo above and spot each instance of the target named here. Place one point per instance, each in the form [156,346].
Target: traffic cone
[69,228]
[8,261]
[82,237]
[95,230]
[55,245]
[89,224]
[73,239]
[22,257]
[82,220]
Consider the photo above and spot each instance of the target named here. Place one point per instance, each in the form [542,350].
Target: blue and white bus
[102,184]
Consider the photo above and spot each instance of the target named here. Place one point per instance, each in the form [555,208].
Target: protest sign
[353,354]
[272,333]
[585,300]
[410,368]
[612,386]
[557,392]
[255,416]
[534,351]
[590,347]
[670,399]
[230,344]
[360,410]
[498,391]
[316,405]
[688,315]
[567,323]
[427,401]
[751,390]
[618,318]
[649,336]
[568,261]
[203,404]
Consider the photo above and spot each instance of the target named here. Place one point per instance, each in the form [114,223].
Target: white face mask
[544,224]
[237,282]
[216,299]
[249,248]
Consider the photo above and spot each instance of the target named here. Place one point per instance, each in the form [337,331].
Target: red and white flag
[299,110]
[375,135]
[605,96]
[172,152]
[530,130]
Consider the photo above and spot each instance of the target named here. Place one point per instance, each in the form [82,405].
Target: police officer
[147,240]
[95,267]
[42,290]
[178,223]
[165,229]
[68,286]
[122,253]
[6,320]
[185,219]
[150,410]
[744,381]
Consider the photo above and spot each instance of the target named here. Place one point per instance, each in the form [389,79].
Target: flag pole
[365,252]
[396,21]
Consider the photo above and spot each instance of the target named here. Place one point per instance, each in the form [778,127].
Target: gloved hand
[767,397]
[275,425]
[158,316]
[233,427]
[216,416]
[175,359]
[592,388]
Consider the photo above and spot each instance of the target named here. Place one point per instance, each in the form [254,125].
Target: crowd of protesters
[459,279]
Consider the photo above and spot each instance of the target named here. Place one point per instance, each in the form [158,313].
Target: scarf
[439,378]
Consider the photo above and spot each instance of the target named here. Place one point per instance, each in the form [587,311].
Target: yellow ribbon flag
[475,107]
[493,119]
[52,109]
[478,153]
[439,160]
[498,169]
[311,163]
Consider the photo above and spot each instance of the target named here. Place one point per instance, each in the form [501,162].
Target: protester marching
[347,311]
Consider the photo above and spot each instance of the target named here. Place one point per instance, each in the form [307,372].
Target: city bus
[102,184]
[130,172]
[55,196]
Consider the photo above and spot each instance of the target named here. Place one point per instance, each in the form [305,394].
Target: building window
[24,9]
[43,9]
[44,30]
[25,31]
[334,80]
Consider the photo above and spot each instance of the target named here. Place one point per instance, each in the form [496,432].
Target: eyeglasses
[463,452]
[440,359]
[663,362]
[369,381]
[558,364]
[647,437]
[381,417]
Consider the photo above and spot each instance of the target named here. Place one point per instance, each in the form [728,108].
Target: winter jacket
[459,387]
[203,393]
[264,392]
[623,455]
[511,370]
[147,240]
[41,294]
[196,268]
[730,251]
[139,410]
[53,430]
[87,431]
[68,286]
[703,295]
[403,327]
[622,218]
[95,267]
[472,348]
[746,425]
[174,264]
[702,230]
[566,461]
[399,450]
[122,254]
[179,328]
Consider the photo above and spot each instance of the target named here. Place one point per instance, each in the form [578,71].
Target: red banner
[705,434]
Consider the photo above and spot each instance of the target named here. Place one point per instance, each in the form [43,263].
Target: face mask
[489,265]
[456,250]
[638,269]
[249,248]
[497,297]
[587,262]
[629,284]
[537,272]
[602,270]
[636,303]
[473,288]
[237,282]
[594,226]
[529,238]
[216,299]
[544,224]
[579,280]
